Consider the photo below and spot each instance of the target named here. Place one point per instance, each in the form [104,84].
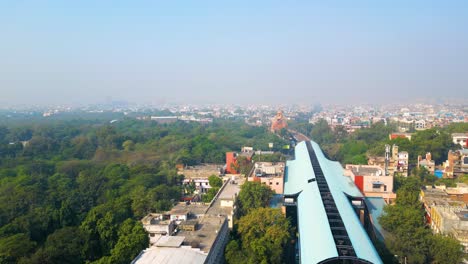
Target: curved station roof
[329,229]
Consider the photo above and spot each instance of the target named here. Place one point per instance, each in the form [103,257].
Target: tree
[233,253]
[128,145]
[132,239]
[63,246]
[264,232]
[244,165]
[15,246]
[445,250]
[210,194]
[408,236]
[253,195]
[215,181]
[423,175]
[322,133]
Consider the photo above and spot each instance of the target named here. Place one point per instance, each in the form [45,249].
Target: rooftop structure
[393,163]
[460,139]
[446,212]
[371,181]
[321,201]
[202,244]
[200,171]
[427,163]
[224,202]
[270,174]
[456,164]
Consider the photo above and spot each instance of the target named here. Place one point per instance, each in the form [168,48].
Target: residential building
[394,161]
[446,211]
[201,232]
[270,174]
[231,163]
[200,243]
[157,225]
[460,139]
[232,166]
[427,163]
[224,202]
[198,175]
[400,161]
[456,164]
[372,181]
[420,124]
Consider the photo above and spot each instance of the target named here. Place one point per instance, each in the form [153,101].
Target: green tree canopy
[215,181]
[264,232]
[253,195]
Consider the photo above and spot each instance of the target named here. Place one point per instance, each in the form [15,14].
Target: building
[231,163]
[164,119]
[427,163]
[232,166]
[394,161]
[372,181]
[460,139]
[178,215]
[400,135]
[270,174]
[327,209]
[197,242]
[201,232]
[456,164]
[224,203]
[420,124]
[198,175]
[400,161]
[278,122]
[446,212]
[158,225]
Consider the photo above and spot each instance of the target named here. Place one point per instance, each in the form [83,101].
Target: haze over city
[239,52]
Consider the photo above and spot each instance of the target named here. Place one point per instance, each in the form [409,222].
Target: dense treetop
[73,191]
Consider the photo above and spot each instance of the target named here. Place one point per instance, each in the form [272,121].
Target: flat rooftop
[200,171]
[192,208]
[206,233]
[230,190]
[366,170]
[167,255]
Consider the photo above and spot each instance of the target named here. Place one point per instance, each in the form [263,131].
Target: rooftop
[228,192]
[192,208]
[206,234]
[459,134]
[166,255]
[316,237]
[365,170]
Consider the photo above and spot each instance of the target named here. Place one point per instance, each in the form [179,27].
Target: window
[385,188]
[271,183]
[277,183]
[376,187]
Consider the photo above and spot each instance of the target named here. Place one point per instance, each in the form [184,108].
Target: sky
[280,52]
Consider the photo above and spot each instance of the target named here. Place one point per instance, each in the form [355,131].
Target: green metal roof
[316,238]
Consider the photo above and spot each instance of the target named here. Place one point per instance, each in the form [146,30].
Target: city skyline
[211,52]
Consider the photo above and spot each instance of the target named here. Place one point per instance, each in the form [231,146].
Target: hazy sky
[88,51]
